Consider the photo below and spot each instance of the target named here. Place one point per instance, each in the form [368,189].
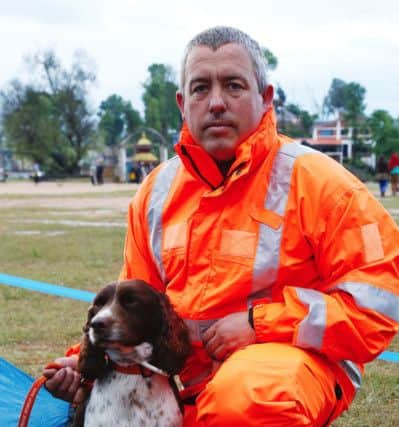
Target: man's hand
[228,335]
[63,383]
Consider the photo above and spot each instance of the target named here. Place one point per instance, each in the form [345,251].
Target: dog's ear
[173,344]
[92,362]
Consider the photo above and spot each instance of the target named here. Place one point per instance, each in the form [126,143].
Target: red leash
[31,397]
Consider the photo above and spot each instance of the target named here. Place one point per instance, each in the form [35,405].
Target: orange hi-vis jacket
[288,232]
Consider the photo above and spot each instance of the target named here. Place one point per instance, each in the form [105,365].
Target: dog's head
[130,321]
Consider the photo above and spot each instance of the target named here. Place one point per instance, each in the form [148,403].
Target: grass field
[76,240]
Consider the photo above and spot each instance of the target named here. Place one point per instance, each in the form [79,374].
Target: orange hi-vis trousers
[273,385]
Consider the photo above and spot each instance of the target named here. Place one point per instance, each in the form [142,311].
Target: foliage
[335,98]
[159,97]
[48,121]
[302,124]
[117,119]
[32,127]
[271,59]
[385,132]
[360,169]
[280,98]
[306,119]
[347,99]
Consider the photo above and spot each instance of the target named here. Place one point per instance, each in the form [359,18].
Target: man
[283,265]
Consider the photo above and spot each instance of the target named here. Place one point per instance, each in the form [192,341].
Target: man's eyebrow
[198,80]
[235,77]
[226,77]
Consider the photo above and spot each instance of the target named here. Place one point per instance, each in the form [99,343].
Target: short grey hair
[218,36]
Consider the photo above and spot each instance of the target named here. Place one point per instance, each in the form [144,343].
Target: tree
[31,126]
[117,119]
[347,99]
[161,111]
[69,90]
[271,59]
[306,121]
[335,99]
[50,117]
[385,132]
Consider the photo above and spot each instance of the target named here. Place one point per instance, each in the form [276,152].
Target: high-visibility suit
[290,233]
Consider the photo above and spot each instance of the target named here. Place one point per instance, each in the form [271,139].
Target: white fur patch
[131,400]
[130,355]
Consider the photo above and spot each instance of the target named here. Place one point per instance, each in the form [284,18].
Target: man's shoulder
[317,173]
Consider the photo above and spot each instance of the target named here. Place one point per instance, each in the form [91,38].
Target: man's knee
[257,387]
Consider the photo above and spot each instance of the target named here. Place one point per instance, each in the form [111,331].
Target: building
[143,161]
[335,139]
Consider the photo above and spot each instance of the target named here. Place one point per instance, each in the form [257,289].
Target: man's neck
[224,166]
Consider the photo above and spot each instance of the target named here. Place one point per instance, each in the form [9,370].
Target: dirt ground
[60,195]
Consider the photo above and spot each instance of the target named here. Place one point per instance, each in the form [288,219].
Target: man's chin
[219,150]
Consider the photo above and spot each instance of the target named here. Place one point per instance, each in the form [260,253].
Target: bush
[360,170]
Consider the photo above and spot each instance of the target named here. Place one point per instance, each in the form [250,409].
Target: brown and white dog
[130,325]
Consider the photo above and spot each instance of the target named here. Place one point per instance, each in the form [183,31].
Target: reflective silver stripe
[353,372]
[159,193]
[197,328]
[312,327]
[373,298]
[267,258]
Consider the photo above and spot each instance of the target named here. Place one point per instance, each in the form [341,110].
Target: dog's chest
[131,400]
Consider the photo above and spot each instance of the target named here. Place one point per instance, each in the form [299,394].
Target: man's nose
[217,103]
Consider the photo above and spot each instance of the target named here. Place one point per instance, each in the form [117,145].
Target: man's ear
[180,103]
[268,95]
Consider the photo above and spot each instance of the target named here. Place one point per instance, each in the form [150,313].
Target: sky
[314,41]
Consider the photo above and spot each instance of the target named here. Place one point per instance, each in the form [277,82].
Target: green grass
[35,328]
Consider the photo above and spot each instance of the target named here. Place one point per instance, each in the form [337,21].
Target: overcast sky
[314,41]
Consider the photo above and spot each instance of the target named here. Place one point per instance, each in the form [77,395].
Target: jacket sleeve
[138,261]
[354,314]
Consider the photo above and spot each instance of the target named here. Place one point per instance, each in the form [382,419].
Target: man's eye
[199,88]
[234,86]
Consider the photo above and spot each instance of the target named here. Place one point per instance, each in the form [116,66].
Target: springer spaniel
[132,331]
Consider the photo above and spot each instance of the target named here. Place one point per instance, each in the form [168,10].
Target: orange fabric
[322,246]
[271,384]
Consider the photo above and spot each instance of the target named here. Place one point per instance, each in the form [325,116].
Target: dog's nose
[98,325]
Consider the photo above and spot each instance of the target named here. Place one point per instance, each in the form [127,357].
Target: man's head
[224,91]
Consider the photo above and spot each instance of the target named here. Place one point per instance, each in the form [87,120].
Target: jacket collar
[250,153]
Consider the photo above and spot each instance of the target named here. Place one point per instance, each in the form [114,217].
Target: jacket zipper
[195,167]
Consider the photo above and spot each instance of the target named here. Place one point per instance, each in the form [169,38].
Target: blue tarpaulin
[14,386]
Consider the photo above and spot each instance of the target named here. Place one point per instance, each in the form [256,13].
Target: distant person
[393,167]
[37,173]
[143,172]
[382,175]
[93,173]
[3,175]
[99,173]
[135,174]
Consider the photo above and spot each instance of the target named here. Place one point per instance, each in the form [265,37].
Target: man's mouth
[216,124]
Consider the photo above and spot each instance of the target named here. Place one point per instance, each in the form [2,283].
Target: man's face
[221,103]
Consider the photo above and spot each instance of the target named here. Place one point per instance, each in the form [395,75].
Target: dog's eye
[100,300]
[128,299]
